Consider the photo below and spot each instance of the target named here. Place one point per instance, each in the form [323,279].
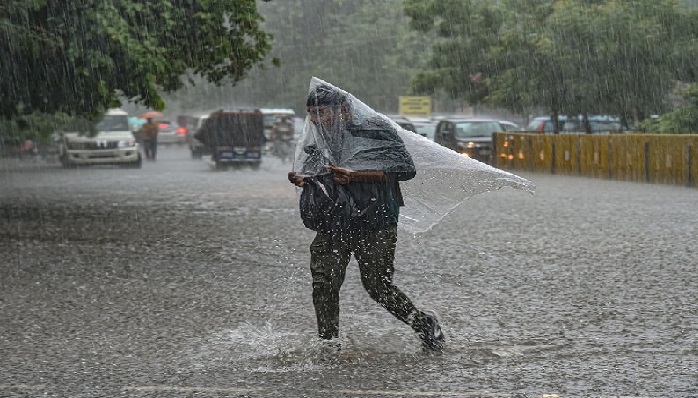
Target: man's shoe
[431,334]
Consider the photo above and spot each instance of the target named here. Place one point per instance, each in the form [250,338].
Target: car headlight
[127,143]
[469,145]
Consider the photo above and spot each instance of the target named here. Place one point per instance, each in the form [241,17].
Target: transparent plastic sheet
[444,178]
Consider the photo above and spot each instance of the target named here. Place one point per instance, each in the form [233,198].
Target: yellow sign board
[415,106]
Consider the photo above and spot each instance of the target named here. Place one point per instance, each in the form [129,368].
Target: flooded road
[179,281]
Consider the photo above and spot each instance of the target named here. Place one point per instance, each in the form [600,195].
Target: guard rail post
[647,161]
[687,156]
[552,155]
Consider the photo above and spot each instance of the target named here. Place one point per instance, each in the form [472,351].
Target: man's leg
[328,264]
[375,253]
[154,149]
[376,256]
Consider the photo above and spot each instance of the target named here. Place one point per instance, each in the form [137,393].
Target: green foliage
[682,120]
[619,57]
[364,46]
[37,127]
[80,57]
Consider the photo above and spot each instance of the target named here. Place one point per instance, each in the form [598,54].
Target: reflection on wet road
[176,280]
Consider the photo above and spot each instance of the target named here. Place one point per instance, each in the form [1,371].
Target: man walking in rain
[349,170]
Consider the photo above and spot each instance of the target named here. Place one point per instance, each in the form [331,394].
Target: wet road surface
[179,281]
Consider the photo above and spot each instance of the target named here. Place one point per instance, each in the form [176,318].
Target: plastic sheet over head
[444,178]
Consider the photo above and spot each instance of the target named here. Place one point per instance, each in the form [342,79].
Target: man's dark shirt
[374,205]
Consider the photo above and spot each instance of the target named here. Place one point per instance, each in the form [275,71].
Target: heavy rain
[505,191]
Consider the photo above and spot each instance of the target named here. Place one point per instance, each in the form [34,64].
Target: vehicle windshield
[476,129]
[113,123]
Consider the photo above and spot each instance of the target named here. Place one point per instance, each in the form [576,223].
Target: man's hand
[340,175]
[296,179]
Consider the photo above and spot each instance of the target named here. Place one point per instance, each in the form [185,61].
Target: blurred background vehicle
[469,136]
[426,129]
[423,126]
[185,121]
[235,137]
[271,116]
[298,125]
[510,126]
[112,143]
[600,124]
[283,138]
[406,124]
[403,122]
[171,133]
[196,147]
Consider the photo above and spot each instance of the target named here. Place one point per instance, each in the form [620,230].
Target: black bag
[326,207]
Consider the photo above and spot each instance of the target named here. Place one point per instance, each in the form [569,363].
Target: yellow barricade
[656,158]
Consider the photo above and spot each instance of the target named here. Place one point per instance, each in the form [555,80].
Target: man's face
[321,115]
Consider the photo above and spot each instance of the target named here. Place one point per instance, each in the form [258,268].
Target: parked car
[171,133]
[403,122]
[113,143]
[185,121]
[197,148]
[575,125]
[510,126]
[469,136]
[426,129]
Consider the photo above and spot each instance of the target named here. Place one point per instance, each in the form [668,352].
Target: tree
[681,120]
[79,57]
[365,47]
[619,57]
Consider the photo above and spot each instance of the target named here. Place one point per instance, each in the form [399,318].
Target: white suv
[114,143]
